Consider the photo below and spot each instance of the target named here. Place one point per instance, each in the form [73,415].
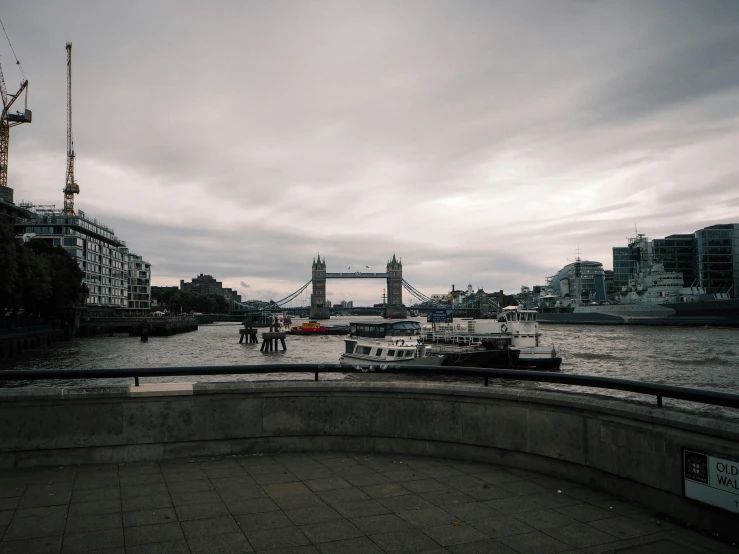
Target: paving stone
[367,479]
[426,485]
[384,523]
[55,474]
[305,549]
[501,526]
[537,541]
[32,527]
[523,487]
[9,503]
[93,522]
[5,518]
[143,479]
[427,517]
[486,492]
[252,506]
[458,482]
[307,516]
[40,500]
[138,468]
[584,513]
[497,477]
[450,533]
[233,471]
[89,542]
[320,473]
[446,498]
[488,546]
[184,475]
[402,475]
[146,502]
[196,497]
[96,482]
[263,479]
[579,535]
[544,519]
[241,494]
[402,542]
[168,547]
[441,471]
[350,494]
[471,511]
[45,545]
[327,484]
[360,508]
[267,520]
[189,486]
[149,517]
[162,532]
[515,504]
[267,539]
[406,502]
[224,525]
[360,545]
[111,506]
[384,490]
[201,511]
[40,512]
[328,531]
[132,491]
[49,488]
[625,527]
[92,495]
[234,483]
[234,543]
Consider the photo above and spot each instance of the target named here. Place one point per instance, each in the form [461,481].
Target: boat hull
[499,359]
[352,359]
[713,313]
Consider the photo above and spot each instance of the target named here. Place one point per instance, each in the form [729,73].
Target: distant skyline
[481,142]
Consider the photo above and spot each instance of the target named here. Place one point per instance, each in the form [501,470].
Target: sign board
[439,316]
[712,480]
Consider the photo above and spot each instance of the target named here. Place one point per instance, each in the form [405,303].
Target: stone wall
[628,449]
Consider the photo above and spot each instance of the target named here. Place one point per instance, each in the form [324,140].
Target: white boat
[510,340]
[399,342]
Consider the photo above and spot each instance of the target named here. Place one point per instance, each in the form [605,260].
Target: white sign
[712,480]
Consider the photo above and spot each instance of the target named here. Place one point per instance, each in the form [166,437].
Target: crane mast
[8,120]
[71,188]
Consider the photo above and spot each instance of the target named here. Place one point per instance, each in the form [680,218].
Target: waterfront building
[103,257]
[583,279]
[677,253]
[207,284]
[623,266]
[717,258]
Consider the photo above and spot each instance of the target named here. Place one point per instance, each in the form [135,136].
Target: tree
[68,288]
[34,291]
[8,265]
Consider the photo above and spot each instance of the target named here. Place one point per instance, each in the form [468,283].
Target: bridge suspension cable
[420,296]
[290,297]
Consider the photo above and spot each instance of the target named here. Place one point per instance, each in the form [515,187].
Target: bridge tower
[395,306]
[318,308]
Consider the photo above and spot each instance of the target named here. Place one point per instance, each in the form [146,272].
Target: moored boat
[399,342]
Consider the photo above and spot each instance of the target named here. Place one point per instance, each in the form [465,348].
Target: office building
[206,284]
[581,279]
[717,258]
[677,253]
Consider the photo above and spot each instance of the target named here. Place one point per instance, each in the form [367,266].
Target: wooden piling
[270,341]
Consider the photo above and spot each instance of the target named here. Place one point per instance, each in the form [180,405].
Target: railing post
[316,378]
[136,381]
[659,400]
[486,380]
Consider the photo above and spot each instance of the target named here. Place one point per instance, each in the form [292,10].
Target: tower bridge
[393,274]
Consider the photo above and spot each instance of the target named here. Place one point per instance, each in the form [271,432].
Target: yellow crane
[70,188]
[8,120]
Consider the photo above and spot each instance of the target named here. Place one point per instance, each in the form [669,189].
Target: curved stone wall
[628,449]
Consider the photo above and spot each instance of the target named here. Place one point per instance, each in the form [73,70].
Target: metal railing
[650,389]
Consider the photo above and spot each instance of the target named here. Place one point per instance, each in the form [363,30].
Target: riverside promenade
[328,502]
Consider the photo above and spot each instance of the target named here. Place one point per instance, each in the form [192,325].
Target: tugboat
[308,328]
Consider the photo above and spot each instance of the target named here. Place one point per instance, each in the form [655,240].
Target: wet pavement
[322,502]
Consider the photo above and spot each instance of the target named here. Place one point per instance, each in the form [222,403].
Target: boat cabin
[382,330]
[385,342]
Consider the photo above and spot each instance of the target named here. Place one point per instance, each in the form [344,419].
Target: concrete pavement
[322,503]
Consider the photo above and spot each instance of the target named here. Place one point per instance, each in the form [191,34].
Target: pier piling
[270,341]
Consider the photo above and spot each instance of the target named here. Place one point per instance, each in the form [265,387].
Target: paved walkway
[328,503]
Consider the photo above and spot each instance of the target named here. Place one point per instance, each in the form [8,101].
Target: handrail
[651,389]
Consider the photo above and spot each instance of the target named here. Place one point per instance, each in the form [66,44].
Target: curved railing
[650,389]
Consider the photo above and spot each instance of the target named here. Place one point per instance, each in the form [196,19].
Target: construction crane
[8,120]
[71,188]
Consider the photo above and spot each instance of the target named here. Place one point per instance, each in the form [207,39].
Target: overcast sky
[482,142]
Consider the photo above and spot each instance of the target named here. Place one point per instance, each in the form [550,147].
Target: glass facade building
[623,266]
[589,285]
[717,258]
[677,253]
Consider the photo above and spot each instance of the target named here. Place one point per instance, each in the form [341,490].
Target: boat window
[379,352]
[364,350]
[391,353]
[409,353]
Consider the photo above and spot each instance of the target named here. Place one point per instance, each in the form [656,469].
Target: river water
[698,357]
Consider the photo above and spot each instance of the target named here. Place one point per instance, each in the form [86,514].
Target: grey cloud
[244,285]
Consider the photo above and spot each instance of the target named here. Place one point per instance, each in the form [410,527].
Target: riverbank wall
[629,450]
[13,342]
[155,326]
